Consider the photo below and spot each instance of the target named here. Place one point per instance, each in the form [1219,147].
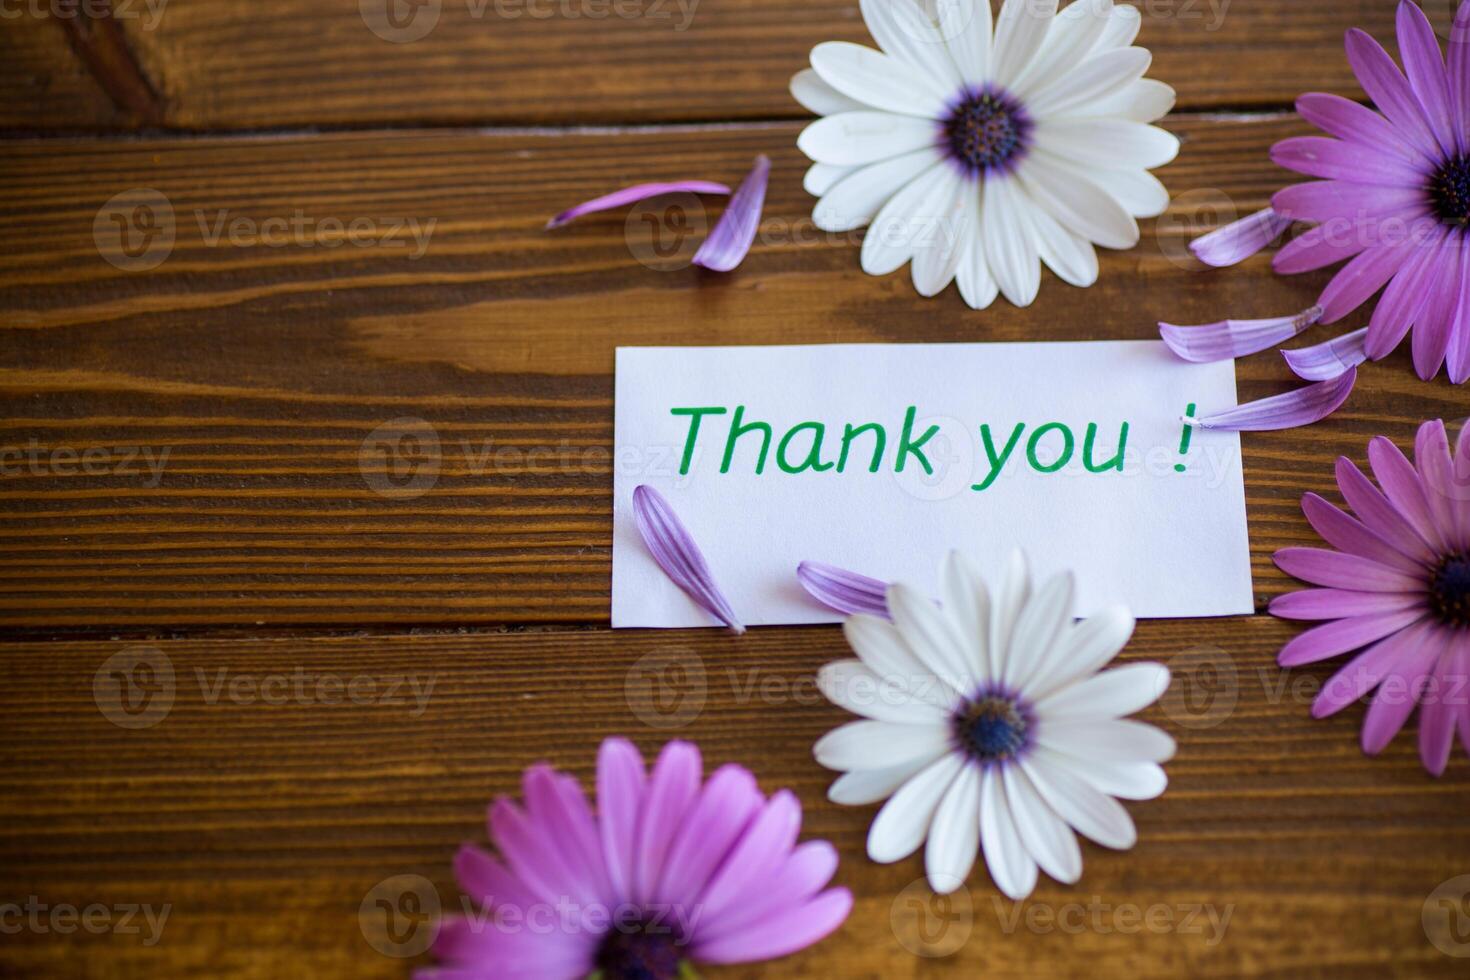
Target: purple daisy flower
[1395,586]
[669,870]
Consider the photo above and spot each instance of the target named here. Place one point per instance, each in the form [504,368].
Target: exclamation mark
[1184,438]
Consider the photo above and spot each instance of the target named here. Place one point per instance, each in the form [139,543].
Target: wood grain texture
[307,63]
[263,372]
[264,823]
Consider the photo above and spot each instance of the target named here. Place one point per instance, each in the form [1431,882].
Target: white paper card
[1161,528]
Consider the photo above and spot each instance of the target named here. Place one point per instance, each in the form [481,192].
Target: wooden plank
[264,372]
[263,813]
[301,63]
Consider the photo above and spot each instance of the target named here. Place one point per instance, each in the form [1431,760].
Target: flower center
[986,130]
[991,728]
[1450,191]
[642,954]
[1449,590]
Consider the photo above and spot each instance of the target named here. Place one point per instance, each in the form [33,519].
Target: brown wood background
[264,550]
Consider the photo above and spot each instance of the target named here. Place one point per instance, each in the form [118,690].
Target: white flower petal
[1019,33]
[1144,101]
[852,685]
[906,222]
[932,635]
[1113,144]
[1077,202]
[857,197]
[1139,192]
[1010,246]
[1086,648]
[817,96]
[1111,694]
[1126,780]
[1112,740]
[1094,79]
[966,27]
[978,287]
[877,80]
[860,745]
[1015,590]
[852,138]
[1066,253]
[878,643]
[1093,814]
[967,599]
[1046,835]
[822,177]
[1123,25]
[954,836]
[902,824]
[937,261]
[907,34]
[1039,630]
[1010,864]
[1072,35]
[871,785]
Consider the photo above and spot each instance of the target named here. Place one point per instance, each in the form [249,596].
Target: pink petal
[759,853]
[621,785]
[1362,277]
[1239,240]
[1326,200]
[532,855]
[1327,360]
[726,805]
[847,592]
[1447,496]
[673,786]
[1398,692]
[567,819]
[1285,411]
[1389,90]
[675,551]
[1364,672]
[1230,339]
[485,879]
[1343,635]
[786,934]
[1424,65]
[1432,330]
[482,949]
[1348,120]
[1439,707]
[634,194]
[1404,300]
[1339,571]
[1459,75]
[1375,510]
[732,235]
[1319,156]
[806,871]
[1346,533]
[1401,484]
[1459,343]
[1316,604]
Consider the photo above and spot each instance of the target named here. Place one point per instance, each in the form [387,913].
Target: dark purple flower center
[643,954]
[1450,191]
[992,728]
[1449,590]
[986,130]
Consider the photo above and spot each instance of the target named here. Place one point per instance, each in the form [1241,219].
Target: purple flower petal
[1286,411]
[633,194]
[1434,329]
[1348,120]
[1362,277]
[1325,361]
[1402,686]
[1438,711]
[1365,671]
[733,234]
[847,592]
[1239,240]
[1401,484]
[1342,635]
[1458,63]
[1337,570]
[1332,200]
[1424,65]
[1318,156]
[1314,604]
[1402,302]
[677,554]
[1389,90]
[1230,339]
[1347,533]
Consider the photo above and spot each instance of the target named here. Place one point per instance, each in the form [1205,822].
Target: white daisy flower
[989,726]
[974,156]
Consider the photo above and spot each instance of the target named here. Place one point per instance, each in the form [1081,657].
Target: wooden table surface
[195,481]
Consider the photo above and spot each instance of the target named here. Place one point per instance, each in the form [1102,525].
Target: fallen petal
[733,234]
[1239,240]
[676,553]
[1230,339]
[1286,411]
[631,195]
[847,592]
[1325,361]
